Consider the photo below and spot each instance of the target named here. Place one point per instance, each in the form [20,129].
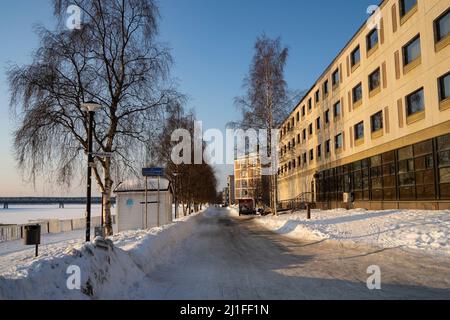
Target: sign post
[146,203]
[152,172]
[158,201]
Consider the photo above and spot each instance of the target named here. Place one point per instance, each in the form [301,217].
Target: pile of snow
[107,272]
[416,229]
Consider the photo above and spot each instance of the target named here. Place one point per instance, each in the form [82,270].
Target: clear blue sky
[212,43]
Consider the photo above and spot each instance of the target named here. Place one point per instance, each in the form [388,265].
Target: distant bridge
[48,201]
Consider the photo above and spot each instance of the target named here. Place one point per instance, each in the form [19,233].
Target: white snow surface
[129,257]
[413,229]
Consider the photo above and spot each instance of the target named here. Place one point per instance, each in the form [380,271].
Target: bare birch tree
[115,59]
[265,104]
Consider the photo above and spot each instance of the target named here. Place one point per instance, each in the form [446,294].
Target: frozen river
[25,214]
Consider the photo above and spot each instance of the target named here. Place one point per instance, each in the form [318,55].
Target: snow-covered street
[218,255]
[233,258]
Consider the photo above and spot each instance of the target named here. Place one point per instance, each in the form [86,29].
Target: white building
[131,204]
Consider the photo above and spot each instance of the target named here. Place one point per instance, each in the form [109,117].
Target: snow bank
[110,272]
[416,229]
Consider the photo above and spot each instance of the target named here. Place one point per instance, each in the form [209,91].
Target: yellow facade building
[376,124]
[247,178]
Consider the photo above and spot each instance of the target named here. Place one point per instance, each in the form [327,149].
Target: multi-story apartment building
[247,177]
[226,196]
[231,190]
[376,124]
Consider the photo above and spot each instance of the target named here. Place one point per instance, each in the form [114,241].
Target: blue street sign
[153,172]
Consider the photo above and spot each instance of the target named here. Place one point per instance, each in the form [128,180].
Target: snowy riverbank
[415,229]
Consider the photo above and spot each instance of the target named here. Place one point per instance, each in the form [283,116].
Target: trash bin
[32,235]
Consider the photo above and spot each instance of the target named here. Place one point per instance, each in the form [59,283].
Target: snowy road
[234,258]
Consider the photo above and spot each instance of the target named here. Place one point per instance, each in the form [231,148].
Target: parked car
[246,207]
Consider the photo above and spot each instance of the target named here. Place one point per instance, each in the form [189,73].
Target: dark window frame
[371,88]
[372,117]
[336,140]
[354,93]
[406,60]
[437,29]
[407,100]
[441,87]
[403,10]
[336,78]
[356,130]
[335,114]
[369,44]
[353,61]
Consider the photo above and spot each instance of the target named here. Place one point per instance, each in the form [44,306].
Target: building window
[309,104]
[424,170]
[444,87]
[357,93]
[335,78]
[319,151]
[304,134]
[415,102]
[304,159]
[376,176]
[317,96]
[310,129]
[376,121]
[298,139]
[325,88]
[303,111]
[298,116]
[311,155]
[337,109]
[406,6]
[406,176]
[372,39]
[374,80]
[359,131]
[444,166]
[338,141]
[442,25]
[328,147]
[327,117]
[355,56]
[411,51]
[318,123]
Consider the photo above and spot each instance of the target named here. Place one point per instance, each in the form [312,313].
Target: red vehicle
[246,207]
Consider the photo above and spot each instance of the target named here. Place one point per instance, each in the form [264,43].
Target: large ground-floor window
[415,172]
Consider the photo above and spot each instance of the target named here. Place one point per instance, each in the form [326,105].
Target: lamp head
[91,106]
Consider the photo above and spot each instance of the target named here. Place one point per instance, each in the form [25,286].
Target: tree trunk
[107,218]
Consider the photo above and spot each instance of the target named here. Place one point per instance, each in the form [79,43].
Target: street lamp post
[175,174]
[90,107]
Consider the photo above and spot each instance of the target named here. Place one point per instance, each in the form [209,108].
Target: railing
[299,203]
[42,201]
